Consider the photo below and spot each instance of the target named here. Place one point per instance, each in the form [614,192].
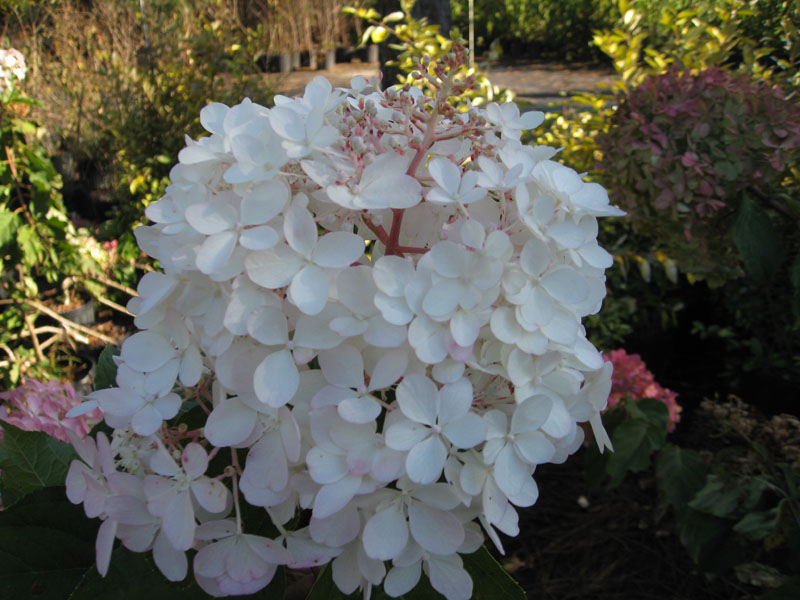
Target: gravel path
[535,81]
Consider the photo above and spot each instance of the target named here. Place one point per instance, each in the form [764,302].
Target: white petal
[212,117]
[263,237]
[535,257]
[455,400]
[418,398]
[565,285]
[273,268]
[333,497]
[338,249]
[531,414]
[386,533]
[211,494]
[534,448]
[436,530]
[268,325]
[337,530]
[390,367]
[215,251]
[443,298]
[146,351]
[105,544]
[230,423]
[404,435]
[300,230]
[449,259]
[391,274]
[264,202]
[464,327]
[194,460]
[449,578]
[466,432]
[178,521]
[309,290]
[191,368]
[276,379]
[425,461]
[343,366]
[401,580]
[209,218]
[146,421]
[446,174]
[359,410]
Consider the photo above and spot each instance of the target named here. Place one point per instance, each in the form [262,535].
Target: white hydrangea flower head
[369,312]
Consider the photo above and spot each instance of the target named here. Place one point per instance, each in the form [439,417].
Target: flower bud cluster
[12,67]
[378,303]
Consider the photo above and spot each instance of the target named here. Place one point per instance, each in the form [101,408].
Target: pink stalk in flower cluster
[631,380]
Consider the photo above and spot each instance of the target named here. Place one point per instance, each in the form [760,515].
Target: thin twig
[70,324]
[115,306]
[113,284]
[32,330]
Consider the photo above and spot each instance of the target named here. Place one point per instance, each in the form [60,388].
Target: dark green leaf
[8,226]
[490,580]
[133,576]
[31,460]
[728,497]
[46,545]
[681,474]
[757,241]
[758,525]
[790,590]
[654,411]
[106,372]
[633,443]
[709,540]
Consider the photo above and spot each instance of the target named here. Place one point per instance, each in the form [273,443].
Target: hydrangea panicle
[377,300]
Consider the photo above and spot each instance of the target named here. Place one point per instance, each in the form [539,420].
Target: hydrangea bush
[368,328]
[631,380]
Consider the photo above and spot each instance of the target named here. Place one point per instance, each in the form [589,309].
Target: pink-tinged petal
[276,379]
[362,409]
[344,569]
[333,497]
[401,580]
[466,432]
[290,434]
[337,530]
[531,414]
[210,560]
[105,544]
[300,230]
[146,421]
[230,423]
[455,400]
[425,461]
[268,550]
[266,463]
[172,563]
[390,367]
[138,538]
[566,285]
[262,237]
[211,494]
[534,447]
[178,521]
[244,566]
[76,481]
[418,398]
[210,218]
[215,251]
[273,268]
[309,290]
[343,366]
[338,249]
[146,351]
[437,531]
[194,460]
[325,467]
[449,578]
[404,435]
[386,533]
[128,510]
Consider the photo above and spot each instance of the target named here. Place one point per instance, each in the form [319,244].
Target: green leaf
[46,546]
[728,497]
[709,540]
[324,588]
[681,474]
[636,439]
[9,222]
[133,576]
[31,460]
[654,411]
[758,242]
[106,373]
[758,524]
[490,580]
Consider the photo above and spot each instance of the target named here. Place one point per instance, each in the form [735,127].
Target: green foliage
[421,45]
[106,372]
[29,461]
[548,27]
